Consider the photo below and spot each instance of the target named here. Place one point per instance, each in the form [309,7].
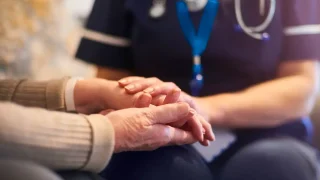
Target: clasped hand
[144,108]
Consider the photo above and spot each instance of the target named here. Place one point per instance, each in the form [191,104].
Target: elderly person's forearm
[45,94]
[57,140]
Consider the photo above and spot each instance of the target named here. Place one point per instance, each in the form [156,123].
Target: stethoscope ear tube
[256,32]
[158,9]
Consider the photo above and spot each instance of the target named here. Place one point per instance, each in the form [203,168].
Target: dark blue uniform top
[129,39]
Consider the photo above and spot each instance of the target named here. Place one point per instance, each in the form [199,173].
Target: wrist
[212,109]
[88,97]
[119,140]
[201,107]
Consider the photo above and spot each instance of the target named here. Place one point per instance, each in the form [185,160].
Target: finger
[158,101]
[205,142]
[208,132]
[168,113]
[173,96]
[105,112]
[182,123]
[179,124]
[180,137]
[186,98]
[127,80]
[196,127]
[141,85]
[161,88]
[192,124]
[144,100]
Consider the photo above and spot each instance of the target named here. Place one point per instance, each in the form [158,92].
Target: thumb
[169,113]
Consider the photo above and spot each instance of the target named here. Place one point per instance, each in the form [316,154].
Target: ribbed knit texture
[45,94]
[57,140]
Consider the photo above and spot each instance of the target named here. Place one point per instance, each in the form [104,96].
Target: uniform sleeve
[301,28]
[106,39]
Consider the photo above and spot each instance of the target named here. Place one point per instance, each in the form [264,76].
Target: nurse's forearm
[265,105]
[112,74]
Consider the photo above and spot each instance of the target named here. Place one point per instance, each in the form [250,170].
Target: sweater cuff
[102,145]
[45,94]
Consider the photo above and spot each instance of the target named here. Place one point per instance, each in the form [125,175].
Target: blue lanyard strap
[197,40]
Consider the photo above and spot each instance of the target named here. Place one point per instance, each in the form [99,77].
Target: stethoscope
[198,40]
[158,9]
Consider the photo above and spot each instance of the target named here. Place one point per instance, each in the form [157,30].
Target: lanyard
[197,40]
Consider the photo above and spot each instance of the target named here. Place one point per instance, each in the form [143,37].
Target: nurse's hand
[162,92]
[157,89]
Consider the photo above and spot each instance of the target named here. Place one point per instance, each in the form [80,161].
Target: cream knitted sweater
[58,140]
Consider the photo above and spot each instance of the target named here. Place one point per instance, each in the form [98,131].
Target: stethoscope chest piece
[157,10]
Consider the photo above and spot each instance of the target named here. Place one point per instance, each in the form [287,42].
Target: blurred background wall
[38,38]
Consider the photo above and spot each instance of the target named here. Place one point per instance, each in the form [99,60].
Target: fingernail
[145,99]
[149,90]
[192,112]
[209,143]
[130,87]
[203,131]
[122,81]
[176,92]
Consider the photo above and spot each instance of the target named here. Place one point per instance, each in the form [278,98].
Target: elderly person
[60,141]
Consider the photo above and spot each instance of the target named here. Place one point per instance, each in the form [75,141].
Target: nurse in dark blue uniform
[260,80]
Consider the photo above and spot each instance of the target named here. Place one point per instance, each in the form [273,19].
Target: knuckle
[166,135]
[146,114]
[154,79]
[164,141]
[171,84]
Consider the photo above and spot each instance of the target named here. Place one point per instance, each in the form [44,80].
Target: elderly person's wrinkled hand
[148,128]
[164,93]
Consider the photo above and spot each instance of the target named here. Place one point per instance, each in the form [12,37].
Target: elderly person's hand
[163,93]
[148,128]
